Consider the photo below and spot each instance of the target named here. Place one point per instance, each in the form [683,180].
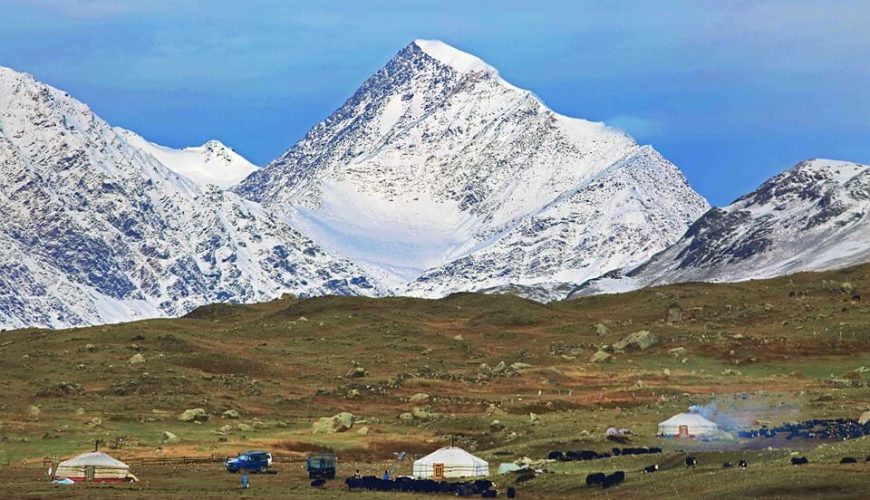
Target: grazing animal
[743,464]
[483,484]
[727,465]
[613,479]
[691,462]
[595,479]
[799,460]
[511,492]
[650,469]
[318,483]
[489,494]
[556,455]
[849,460]
[525,477]
[867,459]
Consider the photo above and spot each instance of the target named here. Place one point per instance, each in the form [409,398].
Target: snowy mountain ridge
[97,230]
[814,216]
[212,163]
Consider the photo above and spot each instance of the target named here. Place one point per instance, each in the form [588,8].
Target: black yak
[849,460]
[613,479]
[595,479]
[743,464]
[318,483]
[511,492]
[727,465]
[650,469]
[799,460]
[691,462]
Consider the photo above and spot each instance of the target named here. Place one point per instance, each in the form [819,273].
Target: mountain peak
[448,55]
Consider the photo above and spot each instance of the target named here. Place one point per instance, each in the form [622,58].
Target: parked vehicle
[321,465]
[251,461]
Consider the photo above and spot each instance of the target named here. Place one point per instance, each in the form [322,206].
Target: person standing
[246,483]
[386,475]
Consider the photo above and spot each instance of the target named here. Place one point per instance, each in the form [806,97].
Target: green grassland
[779,350]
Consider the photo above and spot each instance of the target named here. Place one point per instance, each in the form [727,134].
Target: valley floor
[771,351]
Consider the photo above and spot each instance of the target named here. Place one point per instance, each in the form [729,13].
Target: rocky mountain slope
[95,230]
[814,216]
[443,177]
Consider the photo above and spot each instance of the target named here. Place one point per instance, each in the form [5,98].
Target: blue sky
[731,91]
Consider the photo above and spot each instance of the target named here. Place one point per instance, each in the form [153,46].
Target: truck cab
[321,465]
[250,461]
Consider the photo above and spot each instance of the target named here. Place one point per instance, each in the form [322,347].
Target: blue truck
[250,461]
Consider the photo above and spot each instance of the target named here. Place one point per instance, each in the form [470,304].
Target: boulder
[420,413]
[601,329]
[231,414]
[406,417]
[357,372]
[363,430]
[674,314]
[194,415]
[339,422]
[259,424]
[846,287]
[640,341]
[864,418]
[500,367]
[419,398]
[168,437]
[226,428]
[34,411]
[352,394]
[245,427]
[520,366]
[137,359]
[600,357]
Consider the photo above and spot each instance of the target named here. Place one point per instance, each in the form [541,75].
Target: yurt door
[683,431]
[438,472]
[89,473]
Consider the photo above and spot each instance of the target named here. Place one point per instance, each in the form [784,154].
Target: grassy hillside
[780,350]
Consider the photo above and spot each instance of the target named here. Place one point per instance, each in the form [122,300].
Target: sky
[732,92]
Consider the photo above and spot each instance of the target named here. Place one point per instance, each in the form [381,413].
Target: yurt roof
[452,455]
[688,419]
[96,459]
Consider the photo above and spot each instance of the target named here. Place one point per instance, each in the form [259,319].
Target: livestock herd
[481,487]
[583,455]
[835,428]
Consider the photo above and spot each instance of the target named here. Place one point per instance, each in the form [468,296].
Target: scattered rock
[846,287]
[95,422]
[730,371]
[458,338]
[363,430]
[419,398]
[357,372]
[61,389]
[352,394]
[864,418]
[136,359]
[231,414]
[641,340]
[601,329]
[406,416]
[34,411]
[422,414]
[678,352]
[666,372]
[245,427]
[494,410]
[496,425]
[534,418]
[521,366]
[339,422]
[80,412]
[194,415]
[168,437]
[259,424]
[600,357]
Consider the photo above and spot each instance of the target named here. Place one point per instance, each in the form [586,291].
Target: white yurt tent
[94,466]
[687,425]
[450,462]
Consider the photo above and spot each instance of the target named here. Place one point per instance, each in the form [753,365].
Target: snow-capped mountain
[444,177]
[813,217]
[96,230]
[212,163]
